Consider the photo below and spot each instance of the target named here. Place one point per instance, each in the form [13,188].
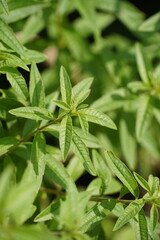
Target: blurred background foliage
[101,39]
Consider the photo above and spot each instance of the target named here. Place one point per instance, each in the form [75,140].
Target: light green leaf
[4,5]
[75,168]
[81,236]
[38,154]
[65,86]
[83,123]
[5,184]
[7,36]
[143,115]
[151,24]
[17,81]
[65,135]
[34,24]
[81,90]
[142,181]
[82,153]
[61,104]
[56,171]
[11,60]
[153,184]
[140,226]
[143,65]
[87,10]
[128,141]
[21,9]
[36,88]
[130,212]
[33,56]
[49,212]
[122,172]
[34,113]
[6,143]
[153,217]
[98,117]
[96,214]
[101,169]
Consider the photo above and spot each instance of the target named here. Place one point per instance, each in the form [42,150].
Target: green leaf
[38,154]
[7,36]
[17,82]
[96,214]
[11,60]
[140,226]
[65,135]
[34,113]
[81,90]
[153,184]
[65,86]
[61,104]
[75,168]
[143,65]
[49,212]
[101,169]
[83,123]
[6,143]
[128,141]
[130,212]
[123,173]
[4,6]
[34,56]
[142,181]
[153,217]
[56,171]
[87,10]
[143,115]
[151,24]
[82,153]
[98,117]
[36,88]
[21,9]
[5,184]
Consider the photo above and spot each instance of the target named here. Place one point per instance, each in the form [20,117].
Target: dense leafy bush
[61,131]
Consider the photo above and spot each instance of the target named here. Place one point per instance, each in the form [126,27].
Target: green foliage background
[59,177]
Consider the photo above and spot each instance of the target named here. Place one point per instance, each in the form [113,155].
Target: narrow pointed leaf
[34,113]
[7,36]
[98,117]
[153,217]
[36,88]
[82,153]
[127,138]
[4,5]
[142,181]
[140,226]
[102,169]
[56,171]
[143,116]
[11,60]
[96,214]
[65,136]
[151,24]
[83,123]
[61,104]
[130,212]
[17,81]
[38,154]
[65,86]
[142,64]
[123,173]
[80,90]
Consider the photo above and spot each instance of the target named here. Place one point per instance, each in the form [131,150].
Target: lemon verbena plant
[60,177]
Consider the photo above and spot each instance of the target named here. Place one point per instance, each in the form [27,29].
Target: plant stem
[26,138]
